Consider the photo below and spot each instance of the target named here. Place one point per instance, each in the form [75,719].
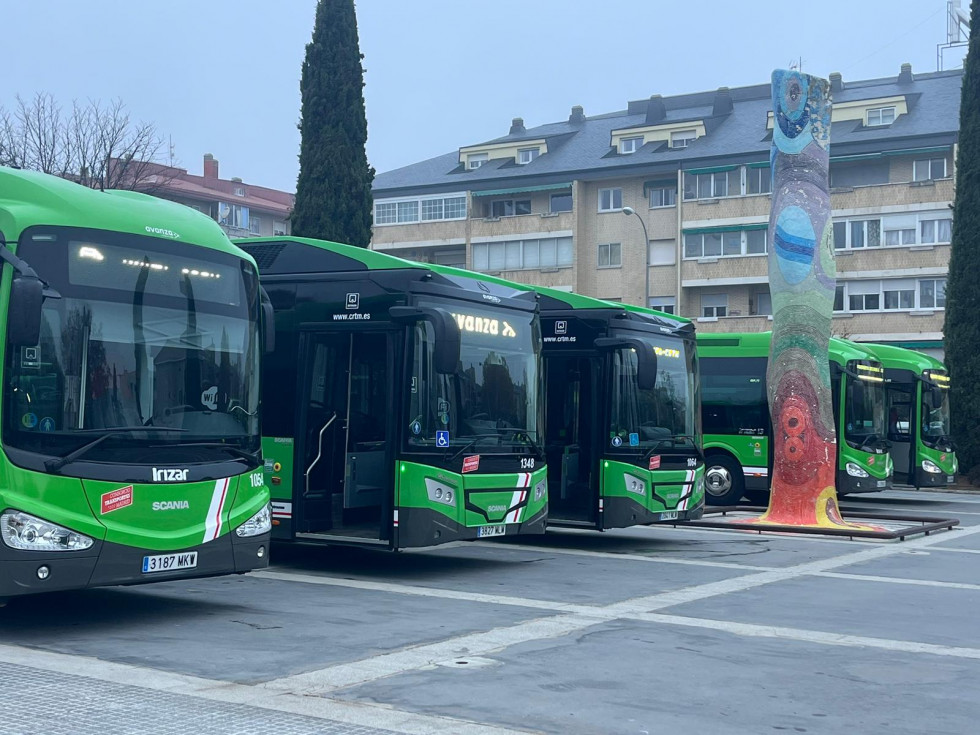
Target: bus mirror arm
[268,321]
[27,294]
[445,356]
[646,359]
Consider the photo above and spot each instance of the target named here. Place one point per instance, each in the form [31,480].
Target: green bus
[917,411]
[403,400]
[622,417]
[130,446]
[737,427]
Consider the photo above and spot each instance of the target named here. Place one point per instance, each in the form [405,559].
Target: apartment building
[242,210]
[679,187]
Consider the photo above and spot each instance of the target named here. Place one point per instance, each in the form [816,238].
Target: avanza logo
[169,475]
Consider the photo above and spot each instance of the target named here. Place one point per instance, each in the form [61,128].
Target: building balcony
[729,324]
[522,224]
[895,196]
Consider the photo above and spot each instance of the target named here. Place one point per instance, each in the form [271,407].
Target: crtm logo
[171,505]
[169,475]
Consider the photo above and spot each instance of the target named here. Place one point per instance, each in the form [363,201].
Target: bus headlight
[929,466]
[440,493]
[855,470]
[258,524]
[27,532]
[540,490]
[635,484]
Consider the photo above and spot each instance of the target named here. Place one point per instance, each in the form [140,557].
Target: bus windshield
[935,416]
[864,412]
[148,333]
[661,418]
[492,402]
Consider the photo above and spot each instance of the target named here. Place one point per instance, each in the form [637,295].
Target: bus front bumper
[104,564]
[618,512]
[424,527]
[847,485]
[933,479]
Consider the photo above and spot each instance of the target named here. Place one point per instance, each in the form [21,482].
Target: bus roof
[29,198]
[756,344]
[287,254]
[893,357]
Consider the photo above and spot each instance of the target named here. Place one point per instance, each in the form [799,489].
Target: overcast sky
[222,76]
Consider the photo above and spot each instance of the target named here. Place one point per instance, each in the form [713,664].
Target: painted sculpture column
[802,277]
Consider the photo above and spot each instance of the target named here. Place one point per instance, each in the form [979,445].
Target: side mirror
[646,359]
[24,311]
[268,322]
[445,356]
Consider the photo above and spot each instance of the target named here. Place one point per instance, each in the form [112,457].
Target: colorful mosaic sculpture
[802,276]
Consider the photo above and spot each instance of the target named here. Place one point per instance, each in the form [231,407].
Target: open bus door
[345,481]
[900,410]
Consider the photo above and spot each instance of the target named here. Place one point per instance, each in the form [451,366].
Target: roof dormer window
[239,191]
[682,138]
[475,160]
[526,155]
[630,145]
[881,116]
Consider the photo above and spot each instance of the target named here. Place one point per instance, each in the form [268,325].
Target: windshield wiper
[530,439]
[674,441]
[236,451]
[53,465]
[470,443]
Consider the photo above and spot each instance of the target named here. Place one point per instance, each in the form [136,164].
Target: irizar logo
[171,505]
[169,475]
[162,231]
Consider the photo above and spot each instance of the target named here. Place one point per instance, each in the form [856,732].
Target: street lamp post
[646,256]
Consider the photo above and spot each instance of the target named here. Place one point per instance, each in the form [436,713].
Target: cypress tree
[333,191]
[962,327]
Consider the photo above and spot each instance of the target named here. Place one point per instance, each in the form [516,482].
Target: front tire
[724,482]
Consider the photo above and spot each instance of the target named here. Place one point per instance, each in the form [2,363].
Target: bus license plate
[950,479]
[670,515]
[169,562]
[485,531]
[882,483]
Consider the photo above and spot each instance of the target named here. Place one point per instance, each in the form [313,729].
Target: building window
[929,168]
[561,202]
[239,191]
[526,155]
[510,207]
[761,305]
[722,243]
[713,185]
[630,145]
[682,138]
[475,160]
[849,174]
[529,254]
[662,252]
[881,116]
[714,305]
[255,225]
[610,200]
[278,228]
[897,235]
[611,255]
[858,233]
[936,230]
[932,293]
[758,180]
[893,294]
[663,196]
[665,304]
[233,215]
[404,211]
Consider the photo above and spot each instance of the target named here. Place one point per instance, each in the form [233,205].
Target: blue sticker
[29,420]
[634,439]
[617,441]
[47,424]
[442,438]
[416,428]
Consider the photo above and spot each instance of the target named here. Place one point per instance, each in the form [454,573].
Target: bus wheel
[723,481]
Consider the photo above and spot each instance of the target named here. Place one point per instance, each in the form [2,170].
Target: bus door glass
[864,412]
[571,451]
[935,416]
[899,406]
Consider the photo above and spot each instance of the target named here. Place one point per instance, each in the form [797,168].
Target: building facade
[242,210]
[569,205]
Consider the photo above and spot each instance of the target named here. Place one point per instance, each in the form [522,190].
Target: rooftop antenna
[957,26]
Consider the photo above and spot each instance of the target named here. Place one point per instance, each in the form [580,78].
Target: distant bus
[130,404]
[402,402]
[917,411]
[737,427]
[622,414]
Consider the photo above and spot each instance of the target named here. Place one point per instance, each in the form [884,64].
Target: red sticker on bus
[471,464]
[117,499]
[655,462]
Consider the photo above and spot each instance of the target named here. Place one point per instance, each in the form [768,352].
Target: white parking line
[899,580]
